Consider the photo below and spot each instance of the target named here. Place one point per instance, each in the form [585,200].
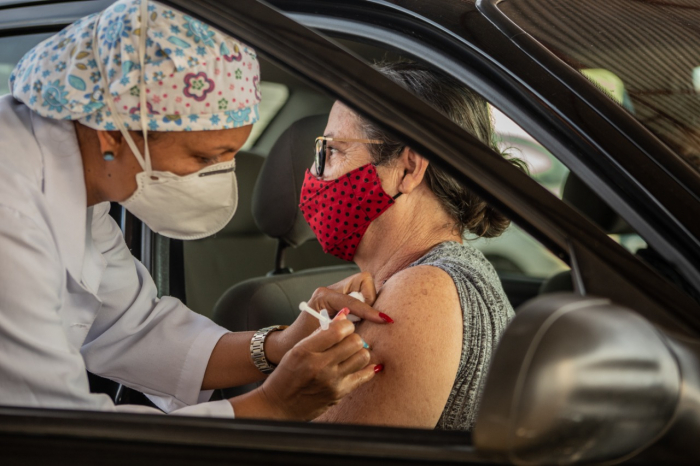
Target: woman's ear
[413,167]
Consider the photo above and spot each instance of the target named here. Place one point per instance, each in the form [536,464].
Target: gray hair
[464,107]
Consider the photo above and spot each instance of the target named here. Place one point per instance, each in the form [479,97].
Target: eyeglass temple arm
[366,141]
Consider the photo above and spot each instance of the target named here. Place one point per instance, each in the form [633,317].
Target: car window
[648,51]
[515,252]
[214,265]
[549,171]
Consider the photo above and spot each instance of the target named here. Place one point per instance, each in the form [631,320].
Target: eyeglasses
[320,153]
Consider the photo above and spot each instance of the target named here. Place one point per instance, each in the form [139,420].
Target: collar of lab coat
[64,188]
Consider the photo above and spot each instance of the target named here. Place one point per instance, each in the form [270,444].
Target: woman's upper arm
[420,353]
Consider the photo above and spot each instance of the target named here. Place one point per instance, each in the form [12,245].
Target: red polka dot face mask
[339,211]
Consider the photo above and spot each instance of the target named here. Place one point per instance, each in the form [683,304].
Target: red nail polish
[386,318]
[378,368]
[345,310]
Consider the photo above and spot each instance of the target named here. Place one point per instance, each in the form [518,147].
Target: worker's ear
[110,141]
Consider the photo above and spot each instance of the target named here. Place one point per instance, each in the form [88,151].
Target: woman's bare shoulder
[422,284]
[423,300]
[420,352]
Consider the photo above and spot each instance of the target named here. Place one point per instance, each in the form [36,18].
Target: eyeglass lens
[320,156]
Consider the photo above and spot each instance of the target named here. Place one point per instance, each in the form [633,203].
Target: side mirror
[579,379]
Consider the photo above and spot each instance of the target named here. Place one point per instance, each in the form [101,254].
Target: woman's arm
[230,363]
[420,353]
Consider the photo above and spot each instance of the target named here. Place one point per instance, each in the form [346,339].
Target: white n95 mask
[181,207]
[186,207]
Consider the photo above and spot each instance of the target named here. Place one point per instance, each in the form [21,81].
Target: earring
[108,156]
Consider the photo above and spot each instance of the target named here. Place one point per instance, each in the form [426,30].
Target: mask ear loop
[144,162]
[142,85]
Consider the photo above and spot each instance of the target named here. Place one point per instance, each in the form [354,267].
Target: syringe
[322,316]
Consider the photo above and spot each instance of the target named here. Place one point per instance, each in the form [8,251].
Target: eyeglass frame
[320,155]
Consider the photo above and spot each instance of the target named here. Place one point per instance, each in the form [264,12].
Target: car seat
[586,201]
[236,253]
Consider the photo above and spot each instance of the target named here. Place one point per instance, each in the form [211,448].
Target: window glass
[546,169]
[515,252]
[541,164]
[643,54]
[12,49]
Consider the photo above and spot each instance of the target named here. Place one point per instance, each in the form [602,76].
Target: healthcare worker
[147,107]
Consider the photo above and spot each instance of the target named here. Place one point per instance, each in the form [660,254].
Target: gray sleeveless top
[486,312]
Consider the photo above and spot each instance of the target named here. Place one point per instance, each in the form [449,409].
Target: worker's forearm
[231,365]
[256,405]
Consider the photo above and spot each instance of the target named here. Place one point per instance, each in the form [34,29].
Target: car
[600,363]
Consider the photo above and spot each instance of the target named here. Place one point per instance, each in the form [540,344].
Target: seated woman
[373,200]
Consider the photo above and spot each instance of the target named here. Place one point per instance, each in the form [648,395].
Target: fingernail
[378,368]
[364,344]
[342,314]
[386,318]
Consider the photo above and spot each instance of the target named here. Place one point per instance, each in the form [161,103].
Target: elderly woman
[147,107]
[372,199]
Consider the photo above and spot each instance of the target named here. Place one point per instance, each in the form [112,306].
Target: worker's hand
[313,376]
[334,300]
[360,282]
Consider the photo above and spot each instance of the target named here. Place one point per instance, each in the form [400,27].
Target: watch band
[257,348]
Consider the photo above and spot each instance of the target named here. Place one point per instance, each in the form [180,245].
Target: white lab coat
[72,297]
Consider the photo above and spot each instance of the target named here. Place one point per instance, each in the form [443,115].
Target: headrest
[579,195]
[247,169]
[276,197]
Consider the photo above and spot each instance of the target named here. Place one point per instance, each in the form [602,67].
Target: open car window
[431,134]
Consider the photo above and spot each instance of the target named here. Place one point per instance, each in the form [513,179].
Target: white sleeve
[156,346]
[38,365]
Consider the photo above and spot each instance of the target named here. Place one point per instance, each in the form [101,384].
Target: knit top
[486,312]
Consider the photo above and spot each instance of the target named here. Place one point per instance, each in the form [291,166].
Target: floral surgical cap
[196,78]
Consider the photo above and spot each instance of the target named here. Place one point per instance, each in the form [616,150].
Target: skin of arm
[420,353]
[230,364]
